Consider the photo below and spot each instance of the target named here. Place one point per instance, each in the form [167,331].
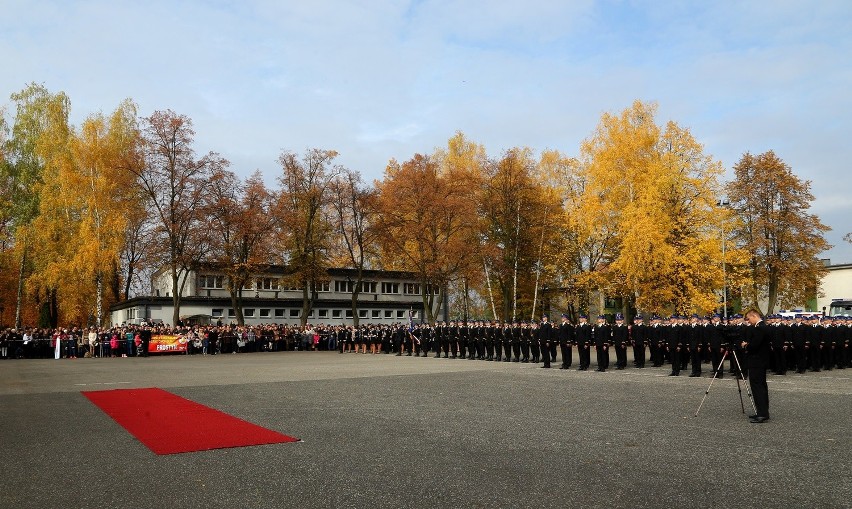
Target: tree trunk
[99,299]
[237,304]
[308,297]
[20,287]
[772,291]
[427,301]
[175,297]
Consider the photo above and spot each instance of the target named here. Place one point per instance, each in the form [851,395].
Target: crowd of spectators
[133,340]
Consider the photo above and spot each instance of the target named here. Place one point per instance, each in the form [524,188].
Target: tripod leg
[740,390]
[748,387]
[715,374]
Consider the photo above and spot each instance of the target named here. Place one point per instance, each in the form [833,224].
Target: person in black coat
[583,338]
[639,333]
[759,354]
[602,336]
[545,338]
[566,337]
[673,344]
[620,338]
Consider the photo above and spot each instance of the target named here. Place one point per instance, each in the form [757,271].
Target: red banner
[162,343]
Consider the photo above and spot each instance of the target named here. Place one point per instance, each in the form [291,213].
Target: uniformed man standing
[566,337]
[638,338]
[673,345]
[716,342]
[583,338]
[620,337]
[545,339]
[694,335]
[602,335]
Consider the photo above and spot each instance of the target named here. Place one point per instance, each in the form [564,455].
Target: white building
[836,285]
[387,297]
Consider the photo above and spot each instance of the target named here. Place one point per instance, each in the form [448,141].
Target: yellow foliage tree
[650,203]
[85,200]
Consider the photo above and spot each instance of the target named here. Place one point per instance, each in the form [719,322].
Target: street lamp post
[726,204]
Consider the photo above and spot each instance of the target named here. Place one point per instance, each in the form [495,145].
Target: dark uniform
[695,338]
[566,337]
[545,335]
[620,339]
[639,334]
[673,345]
[657,341]
[602,336]
[583,338]
[716,343]
[758,353]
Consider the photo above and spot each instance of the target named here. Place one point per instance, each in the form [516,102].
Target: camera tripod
[738,378]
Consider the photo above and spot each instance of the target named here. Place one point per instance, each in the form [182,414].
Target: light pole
[725,204]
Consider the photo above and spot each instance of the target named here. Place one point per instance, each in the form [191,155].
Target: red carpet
[169,424]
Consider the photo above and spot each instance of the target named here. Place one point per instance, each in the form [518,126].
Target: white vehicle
[840,307]
[793,313]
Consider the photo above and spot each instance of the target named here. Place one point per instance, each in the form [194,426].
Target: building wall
[388,299]
[264,311]
[837,284]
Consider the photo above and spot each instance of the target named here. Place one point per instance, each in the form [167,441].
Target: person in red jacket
[758,355]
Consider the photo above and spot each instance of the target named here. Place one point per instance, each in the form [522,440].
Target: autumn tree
[305,229]
[240,234]
[353,216]
[426,223]
[85,201]
[137,254]
[783,239]
[650,194]
[37,137]
[463,161]
[174,183]
[560,177]
[518,217]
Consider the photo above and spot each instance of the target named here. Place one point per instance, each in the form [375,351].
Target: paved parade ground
[398,432]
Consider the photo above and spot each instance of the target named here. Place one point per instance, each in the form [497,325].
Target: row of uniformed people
[681,341]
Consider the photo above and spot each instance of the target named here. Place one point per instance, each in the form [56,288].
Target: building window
[231,313]
[347,286]
[248,313]
[368,287]
[388,314]
[348,313]
[376,314]
[209,281]
[279,313]
[390,287]
[335,313]
[434,290]
[264,313]
[362,313]
[323,286]
[411,288]
[294,313]
[400,314]
[267,283]
[216,313]
[130,313]
[323,313]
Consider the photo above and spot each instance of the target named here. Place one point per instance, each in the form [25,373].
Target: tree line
[640,214]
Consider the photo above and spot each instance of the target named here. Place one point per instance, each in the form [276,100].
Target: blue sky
[379,80]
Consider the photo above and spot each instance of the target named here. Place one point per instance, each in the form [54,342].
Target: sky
[376,80]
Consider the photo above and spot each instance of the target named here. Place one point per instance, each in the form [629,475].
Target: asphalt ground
[397,432]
